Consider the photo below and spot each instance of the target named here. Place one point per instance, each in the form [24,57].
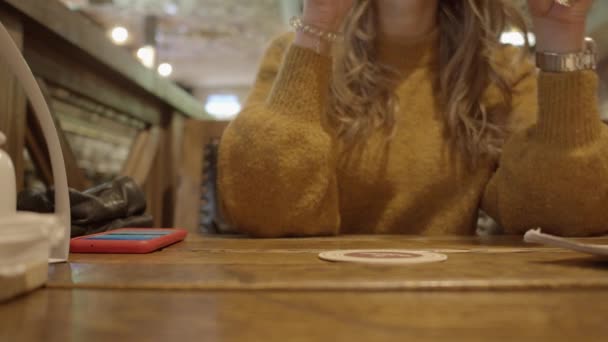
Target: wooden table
[228,289]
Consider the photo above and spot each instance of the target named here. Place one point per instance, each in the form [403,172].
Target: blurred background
[209,47]
[139,87]
[212,47]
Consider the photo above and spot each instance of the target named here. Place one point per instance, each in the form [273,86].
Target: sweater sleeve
[276,161]
[554,173]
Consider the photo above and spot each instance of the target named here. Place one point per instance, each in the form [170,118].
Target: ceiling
[217,44]
[210,43]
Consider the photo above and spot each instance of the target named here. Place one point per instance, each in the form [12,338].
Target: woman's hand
[559,28]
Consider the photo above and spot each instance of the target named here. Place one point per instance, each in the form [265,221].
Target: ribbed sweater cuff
[302,83]
[568,108]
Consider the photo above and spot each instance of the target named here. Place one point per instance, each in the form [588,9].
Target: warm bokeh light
[517,38]
[119,35]
[147,56]
[165,69]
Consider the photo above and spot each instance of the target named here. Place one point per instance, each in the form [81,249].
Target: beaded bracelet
[323,36]
[300,26]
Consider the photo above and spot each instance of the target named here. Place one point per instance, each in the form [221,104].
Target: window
[223,107]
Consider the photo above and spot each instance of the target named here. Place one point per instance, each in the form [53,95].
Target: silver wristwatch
[566,62]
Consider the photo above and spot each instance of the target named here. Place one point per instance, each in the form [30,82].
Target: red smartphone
[127,240]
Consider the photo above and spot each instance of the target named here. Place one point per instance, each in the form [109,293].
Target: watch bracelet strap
[568,62]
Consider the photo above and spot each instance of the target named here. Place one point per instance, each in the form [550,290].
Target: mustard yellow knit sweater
[279,174]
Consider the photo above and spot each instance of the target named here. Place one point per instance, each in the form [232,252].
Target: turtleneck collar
[404,54]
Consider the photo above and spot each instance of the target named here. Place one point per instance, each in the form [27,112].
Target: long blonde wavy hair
[363,98]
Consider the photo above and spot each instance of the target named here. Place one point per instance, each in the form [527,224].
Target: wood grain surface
[211,288]
[115,315]
[212,263]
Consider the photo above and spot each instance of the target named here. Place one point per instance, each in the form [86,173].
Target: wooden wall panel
[190,171]
[143,154]
[160,185]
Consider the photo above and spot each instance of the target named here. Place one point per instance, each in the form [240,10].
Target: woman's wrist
[559,38]
[325,23]
[313,36]
[314,43]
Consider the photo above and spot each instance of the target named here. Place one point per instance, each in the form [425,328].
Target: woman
[418,119]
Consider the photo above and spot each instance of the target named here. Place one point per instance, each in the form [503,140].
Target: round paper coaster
[383,256]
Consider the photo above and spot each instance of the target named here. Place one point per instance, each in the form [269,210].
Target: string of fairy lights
[146,54]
